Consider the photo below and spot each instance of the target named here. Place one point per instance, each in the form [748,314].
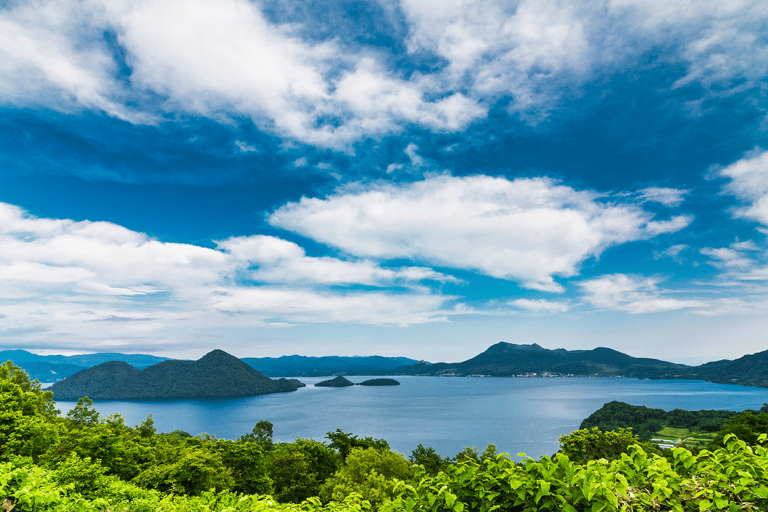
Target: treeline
[645,421]
[85,462]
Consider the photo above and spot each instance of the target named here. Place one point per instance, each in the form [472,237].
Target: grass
[690,437]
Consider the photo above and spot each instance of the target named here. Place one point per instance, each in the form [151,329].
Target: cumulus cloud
[527,230]
[633,294]
[228,60]
[57,274]
[215,60]
[749,182]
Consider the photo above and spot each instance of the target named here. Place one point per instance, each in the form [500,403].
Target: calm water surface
[518,415]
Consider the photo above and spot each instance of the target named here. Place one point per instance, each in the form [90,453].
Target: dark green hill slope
[215,375]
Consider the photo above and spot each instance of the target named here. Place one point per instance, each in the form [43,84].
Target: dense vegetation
[648,423]
[83,462]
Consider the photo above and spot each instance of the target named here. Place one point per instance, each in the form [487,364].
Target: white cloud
[79,280]
[670,197]
[673,252]
[540,305]
[213,60]
[527,230]
[227,60]
[269,304]
[280,261]
[633,294]
[749,182]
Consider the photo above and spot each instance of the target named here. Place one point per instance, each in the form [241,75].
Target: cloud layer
[150,61]
[527,230]
[100,280]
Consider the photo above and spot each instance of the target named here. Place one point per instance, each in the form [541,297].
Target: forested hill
[215,375]
[507,359]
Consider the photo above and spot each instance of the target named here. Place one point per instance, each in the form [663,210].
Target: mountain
[328,365]
[57,367]
[749,370]
[215,375]
[508,360]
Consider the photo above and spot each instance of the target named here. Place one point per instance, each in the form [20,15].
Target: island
[215,375]
[338,382]
[379,382]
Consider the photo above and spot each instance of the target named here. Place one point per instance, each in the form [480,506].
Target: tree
[188,469]
[370,472]
[247,464]
[343,443]
[746,426]
[584,445]
[83,414]
[291,474]
[432,462]
[261,435]
[26,414]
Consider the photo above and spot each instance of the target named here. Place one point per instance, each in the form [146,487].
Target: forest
[85,462]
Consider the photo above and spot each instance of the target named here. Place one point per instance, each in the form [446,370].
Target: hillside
[215,375]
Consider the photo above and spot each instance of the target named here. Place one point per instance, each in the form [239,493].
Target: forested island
[379,382]
[215,375]
[87,462]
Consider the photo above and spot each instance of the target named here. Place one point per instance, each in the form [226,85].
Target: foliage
[344,443]
[584,445]
[261,434]
[371,472]
[734,478]
[83,414]
[746,426]
[429,459]
[645,421]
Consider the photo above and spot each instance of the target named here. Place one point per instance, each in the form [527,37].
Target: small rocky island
[215,375]
[338,382]
[379,382]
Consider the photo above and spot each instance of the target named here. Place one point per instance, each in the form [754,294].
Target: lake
[447,413]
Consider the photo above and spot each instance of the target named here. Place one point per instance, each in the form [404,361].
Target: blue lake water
[448,414]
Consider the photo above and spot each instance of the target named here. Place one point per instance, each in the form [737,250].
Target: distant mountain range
[55,368]
[508,360]
[500,360]
[215,375]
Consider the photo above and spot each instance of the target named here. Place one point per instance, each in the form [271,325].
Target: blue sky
[410,178]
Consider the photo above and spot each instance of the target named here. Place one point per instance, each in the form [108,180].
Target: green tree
[584,445]
[27,414]
[261,434]
[372,473]
[432,462]
[344,443]
[746,426]
[292,475]
[247,464]
[83,414]
[189,469]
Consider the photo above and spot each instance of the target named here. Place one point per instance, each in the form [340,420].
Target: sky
[401,178]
